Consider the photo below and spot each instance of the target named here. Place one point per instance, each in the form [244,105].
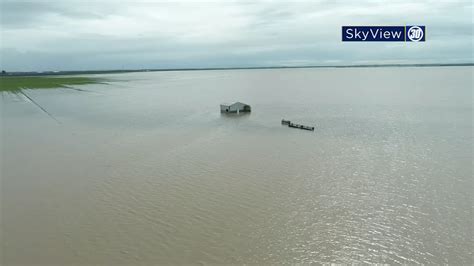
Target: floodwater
[145,170]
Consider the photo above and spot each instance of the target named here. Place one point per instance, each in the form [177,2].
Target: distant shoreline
[82,72]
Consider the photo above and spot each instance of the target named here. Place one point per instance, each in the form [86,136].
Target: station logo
[413,33]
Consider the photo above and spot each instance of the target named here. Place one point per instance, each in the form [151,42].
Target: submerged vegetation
[17,84]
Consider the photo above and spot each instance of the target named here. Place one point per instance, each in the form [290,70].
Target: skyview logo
[383,33]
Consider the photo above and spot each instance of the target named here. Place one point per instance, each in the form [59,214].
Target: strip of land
[16,84]
[84,72]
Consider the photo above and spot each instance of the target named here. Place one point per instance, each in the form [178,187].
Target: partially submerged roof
[239,103]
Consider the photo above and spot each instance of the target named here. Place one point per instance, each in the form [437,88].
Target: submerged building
[236,107]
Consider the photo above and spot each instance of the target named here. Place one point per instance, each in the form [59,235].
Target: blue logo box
[383,33]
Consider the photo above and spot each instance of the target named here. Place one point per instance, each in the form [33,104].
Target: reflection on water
[147,170]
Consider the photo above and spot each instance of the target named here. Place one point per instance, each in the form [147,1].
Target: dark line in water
[71,88]
[39,106]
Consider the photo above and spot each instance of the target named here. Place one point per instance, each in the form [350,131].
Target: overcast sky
[39,35]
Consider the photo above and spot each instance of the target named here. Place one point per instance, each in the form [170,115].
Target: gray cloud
[73,34]
[18,14]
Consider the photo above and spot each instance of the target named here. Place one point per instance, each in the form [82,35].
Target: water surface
[146,170]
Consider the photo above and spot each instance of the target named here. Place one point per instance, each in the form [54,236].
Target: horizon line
[111,71]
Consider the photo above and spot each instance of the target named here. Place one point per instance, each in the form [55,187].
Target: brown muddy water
[145,170]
